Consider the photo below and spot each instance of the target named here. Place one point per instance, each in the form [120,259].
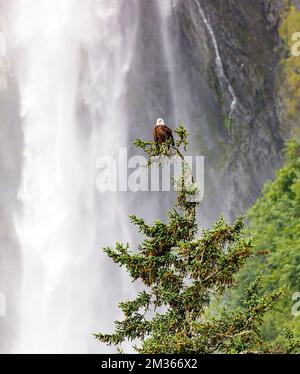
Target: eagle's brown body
[162,134]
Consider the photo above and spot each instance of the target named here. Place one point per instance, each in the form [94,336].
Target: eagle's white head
[160,122]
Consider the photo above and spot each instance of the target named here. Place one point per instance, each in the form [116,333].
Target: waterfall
[219,65]
[91,76]
[67,124]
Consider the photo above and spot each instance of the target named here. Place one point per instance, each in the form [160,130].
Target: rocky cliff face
[247,145]
[214,65]
[247,34]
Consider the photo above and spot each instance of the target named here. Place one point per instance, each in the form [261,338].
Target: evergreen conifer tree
[183,271]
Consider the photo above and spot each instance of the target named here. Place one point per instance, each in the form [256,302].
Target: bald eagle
[162,133]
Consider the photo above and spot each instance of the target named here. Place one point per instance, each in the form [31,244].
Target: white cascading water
[72,61]
[219,65]
[62,286]
[166,11]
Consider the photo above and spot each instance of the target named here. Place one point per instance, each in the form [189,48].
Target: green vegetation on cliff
[275,219]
